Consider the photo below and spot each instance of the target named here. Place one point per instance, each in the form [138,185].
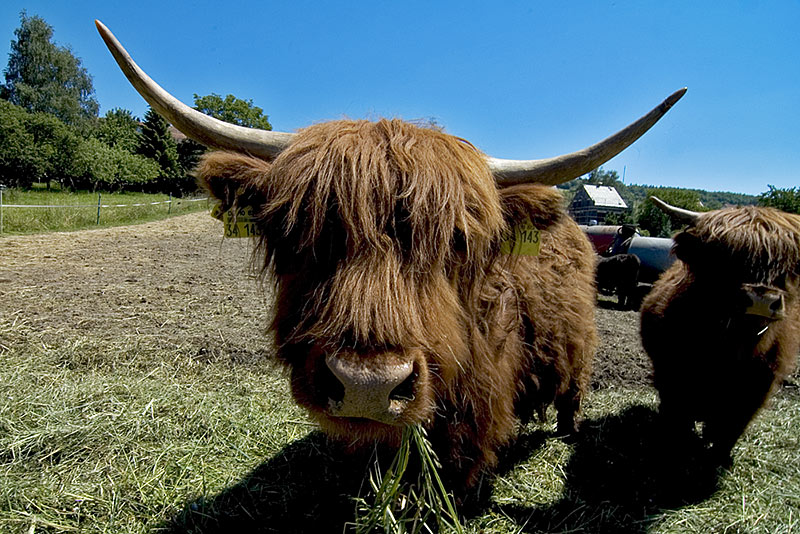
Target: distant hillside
[710,199]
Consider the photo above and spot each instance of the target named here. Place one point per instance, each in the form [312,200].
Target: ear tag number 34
[239,222]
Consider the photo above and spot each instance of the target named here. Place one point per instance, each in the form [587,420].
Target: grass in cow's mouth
[402,506]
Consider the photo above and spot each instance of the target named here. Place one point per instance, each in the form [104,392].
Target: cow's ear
[234,179]
[543,205]
[687,246]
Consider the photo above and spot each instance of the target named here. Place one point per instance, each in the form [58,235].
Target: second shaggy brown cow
[722,325]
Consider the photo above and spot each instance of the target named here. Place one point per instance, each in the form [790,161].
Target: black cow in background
[619,275]
[617,271]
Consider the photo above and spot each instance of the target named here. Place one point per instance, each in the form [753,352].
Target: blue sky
[517,79]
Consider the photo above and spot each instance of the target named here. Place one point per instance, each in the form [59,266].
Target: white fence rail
[99,205]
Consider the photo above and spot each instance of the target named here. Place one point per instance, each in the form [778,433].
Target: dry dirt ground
[172,282]
[177,282]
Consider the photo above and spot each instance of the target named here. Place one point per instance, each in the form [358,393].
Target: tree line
[50,129]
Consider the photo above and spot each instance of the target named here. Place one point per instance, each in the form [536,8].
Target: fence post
[99,196]
[169,207]
[1,209]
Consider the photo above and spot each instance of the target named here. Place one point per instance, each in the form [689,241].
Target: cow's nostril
[405,391]
[777,305]
[330,386]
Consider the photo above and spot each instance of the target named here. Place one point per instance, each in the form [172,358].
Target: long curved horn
[560,169]
[202,128]
[679,214]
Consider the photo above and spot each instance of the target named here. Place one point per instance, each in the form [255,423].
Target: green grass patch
[120,436]
[123,443]
[623,475]
[78,210]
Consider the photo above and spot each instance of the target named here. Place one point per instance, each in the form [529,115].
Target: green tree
[43,77]
[57,145]
[625,217]
[233,110]
[36,147]
[189,153]
[602,177]
[119,128]
[156,143]
[654,221]
[784,199]
[19,162]
[114,168]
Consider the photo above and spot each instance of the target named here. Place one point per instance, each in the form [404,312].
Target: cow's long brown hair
[381,211]
[712,361]
[386,235]
[762,242]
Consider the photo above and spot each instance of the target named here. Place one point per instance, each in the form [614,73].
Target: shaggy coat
[714,362]
[384,242]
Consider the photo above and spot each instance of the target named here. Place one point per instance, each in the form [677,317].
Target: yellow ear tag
[522,240]
[237,223]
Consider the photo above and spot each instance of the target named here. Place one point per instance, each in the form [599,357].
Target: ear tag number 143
[523,240]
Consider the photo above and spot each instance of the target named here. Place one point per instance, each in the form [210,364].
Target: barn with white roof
[593,203]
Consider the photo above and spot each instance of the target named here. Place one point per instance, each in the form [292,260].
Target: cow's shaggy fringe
[391,205]
[761,242]
[385,236]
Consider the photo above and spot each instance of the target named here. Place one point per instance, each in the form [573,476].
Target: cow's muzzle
[379,387]
[764,301]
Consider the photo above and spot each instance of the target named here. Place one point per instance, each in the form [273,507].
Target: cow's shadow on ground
[622,471]
[309,486]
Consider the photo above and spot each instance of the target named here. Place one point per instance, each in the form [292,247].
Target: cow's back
[556,304]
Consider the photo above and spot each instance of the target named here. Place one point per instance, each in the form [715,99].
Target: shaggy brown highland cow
[418,281]
[722,325]
[384,241]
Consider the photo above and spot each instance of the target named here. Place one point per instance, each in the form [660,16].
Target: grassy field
[125,438]
[78,210]
[137,395]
